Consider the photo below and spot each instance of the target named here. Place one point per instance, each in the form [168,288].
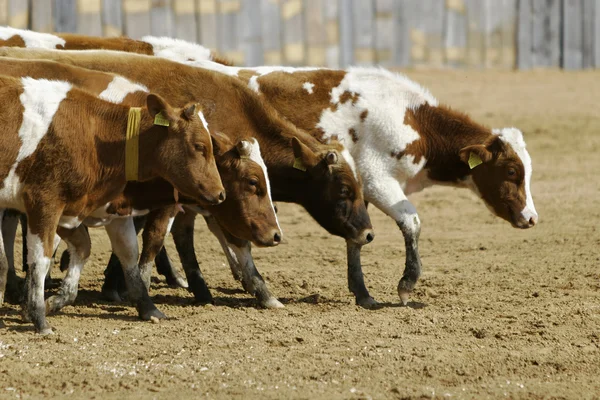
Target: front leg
[79,246]
[356,281]
[386,194]
[239,254]
[123,239]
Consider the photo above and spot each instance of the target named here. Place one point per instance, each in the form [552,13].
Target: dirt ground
[498,313]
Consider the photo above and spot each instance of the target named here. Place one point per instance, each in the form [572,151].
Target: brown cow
[172,49]
[321,177]
[64,156]
[247,212]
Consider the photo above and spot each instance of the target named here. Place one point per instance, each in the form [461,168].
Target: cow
[247,212]
[321,177]
[165,47]
[67,153]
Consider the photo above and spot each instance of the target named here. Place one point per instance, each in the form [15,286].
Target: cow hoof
[367,302]
[404,295]
[177,281]
[25,315]
[111,295]
[204,299]
[46,331]
[151,314]
[272,303]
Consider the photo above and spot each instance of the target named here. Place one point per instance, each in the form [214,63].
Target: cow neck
[444,132]
[149,138]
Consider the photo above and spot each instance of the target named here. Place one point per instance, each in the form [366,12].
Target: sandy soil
[499,312]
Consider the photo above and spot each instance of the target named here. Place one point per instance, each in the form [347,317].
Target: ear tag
[474,160]
[159,119]
[244,157]
[298,164]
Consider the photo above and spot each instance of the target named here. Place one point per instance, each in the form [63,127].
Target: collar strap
[132,144]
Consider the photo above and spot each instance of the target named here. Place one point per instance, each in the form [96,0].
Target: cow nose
[222,196]
[370,236]
[277,237]
[533,221]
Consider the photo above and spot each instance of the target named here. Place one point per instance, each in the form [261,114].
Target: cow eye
[253,182]
[199,147]
[512,172]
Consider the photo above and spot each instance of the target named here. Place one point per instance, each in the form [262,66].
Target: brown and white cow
[64,156]
[247,212]
[169,48]
[320,177]
[403,141]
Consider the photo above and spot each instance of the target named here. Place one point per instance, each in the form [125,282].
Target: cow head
[185,155]
[335,197]
[501,173]
[248,212]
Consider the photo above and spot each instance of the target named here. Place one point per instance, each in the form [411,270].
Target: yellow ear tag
[474,160]
[298,164]
[159,119]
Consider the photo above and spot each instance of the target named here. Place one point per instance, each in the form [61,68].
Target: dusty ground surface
[499,312]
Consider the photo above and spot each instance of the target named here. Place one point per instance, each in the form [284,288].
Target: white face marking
[350,161]
[32,39]
[308,86]
[201,115]
[257,158]
[514,138]
[119,88]
[40,100]
[177,50]
[170,224]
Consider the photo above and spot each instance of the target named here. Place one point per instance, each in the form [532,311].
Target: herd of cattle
[127,134]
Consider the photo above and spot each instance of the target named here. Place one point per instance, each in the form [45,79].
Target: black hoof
[200,290]
[150,312]
[111,295]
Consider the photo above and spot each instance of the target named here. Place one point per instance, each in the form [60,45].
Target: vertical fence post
[316,35]
[294,52]
[332,28]
[41,15]
[162,20]
[364,31]
[184,16]
[252,32]
[271,32]
[346,33]
[208,33]
[112,17]
[137,18]
[89,20]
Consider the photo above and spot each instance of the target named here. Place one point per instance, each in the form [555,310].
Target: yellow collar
[132,144]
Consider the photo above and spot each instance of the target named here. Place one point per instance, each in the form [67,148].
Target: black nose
[222,196]
[277,238]
[370,237]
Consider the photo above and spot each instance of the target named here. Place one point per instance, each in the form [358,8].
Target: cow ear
[221,143]
[244,148]
[157,105]
[475,155]
[189,111]
[304,157]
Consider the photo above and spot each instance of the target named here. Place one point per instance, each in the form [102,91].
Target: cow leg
[3,260]
[183,236]
[114,288]
[239,255]
[165,268]
[123,239]
[42,221]
[387,195]
[158,225]
[14,284]
[356,281]
[79,245]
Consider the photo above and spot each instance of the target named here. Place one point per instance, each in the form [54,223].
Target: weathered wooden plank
[136,14]
[346,37]
[546,33]
[229,27]
[332,27]
[41,16]
[493,33]
[572,40]
[384,31]
[65,15]
[455,35]
[316,34]
[525,35]
[476,32]
[364,32]
[112,17]
[89,20]
[596,36]
[292,14]
[589,9]
[252,33]
[185,20]
[208,25]
[271,32]
[162,20]
[3,12]
[18,14]
[402,40]
[426,21]
[509,31]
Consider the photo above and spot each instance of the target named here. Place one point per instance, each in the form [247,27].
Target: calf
[320,177]
[67,153]
[247,212]
[172,49]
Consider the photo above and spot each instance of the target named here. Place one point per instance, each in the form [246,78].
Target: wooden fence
[336,33]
